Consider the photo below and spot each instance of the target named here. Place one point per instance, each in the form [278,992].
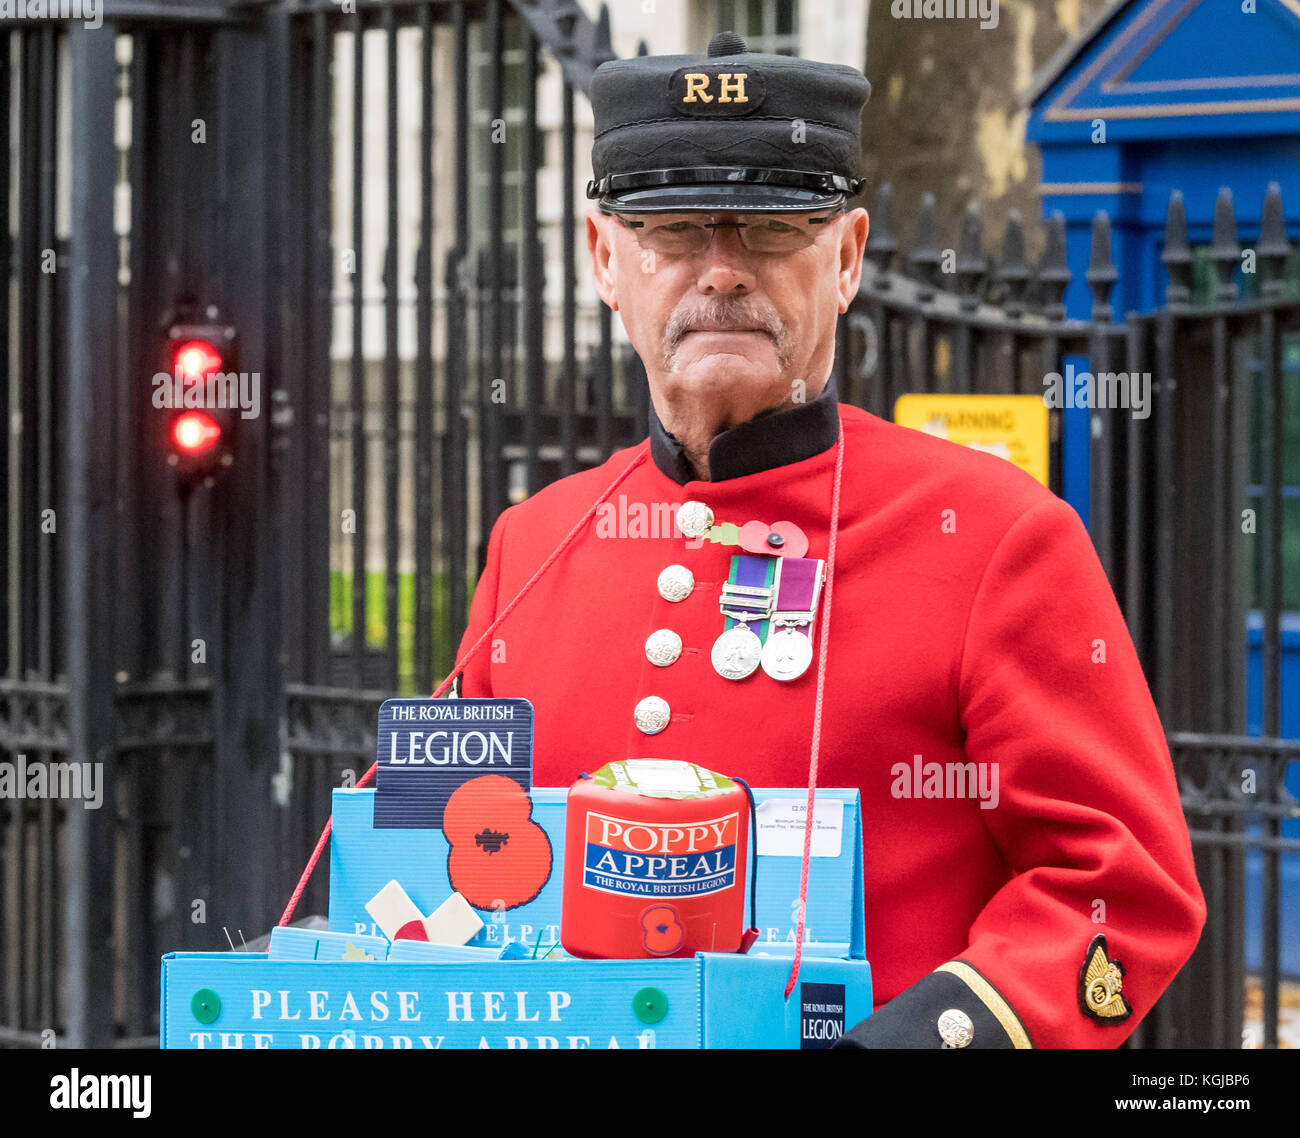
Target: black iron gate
[383,205]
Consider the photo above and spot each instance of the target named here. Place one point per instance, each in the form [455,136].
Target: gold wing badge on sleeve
[1101,985]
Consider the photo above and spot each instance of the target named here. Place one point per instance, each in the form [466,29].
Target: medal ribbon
[753,571]
[798,590]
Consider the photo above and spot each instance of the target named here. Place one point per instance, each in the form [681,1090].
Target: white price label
[781,826]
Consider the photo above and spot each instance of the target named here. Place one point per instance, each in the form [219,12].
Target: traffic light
[205,400]
[195,433]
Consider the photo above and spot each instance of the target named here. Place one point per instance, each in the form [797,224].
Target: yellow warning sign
[1015,427]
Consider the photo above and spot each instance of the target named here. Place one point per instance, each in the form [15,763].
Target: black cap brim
[715,197]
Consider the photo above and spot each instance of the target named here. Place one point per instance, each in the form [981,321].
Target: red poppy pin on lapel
[782,539]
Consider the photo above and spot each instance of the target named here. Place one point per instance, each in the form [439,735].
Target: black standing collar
[771,439]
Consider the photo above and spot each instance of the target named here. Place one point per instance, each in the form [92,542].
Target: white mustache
[728,314]
[723,316]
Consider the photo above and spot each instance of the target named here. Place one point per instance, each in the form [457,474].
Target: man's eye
[774,226]
[677,227]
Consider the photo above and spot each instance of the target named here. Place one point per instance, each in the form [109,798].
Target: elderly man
[1047,901]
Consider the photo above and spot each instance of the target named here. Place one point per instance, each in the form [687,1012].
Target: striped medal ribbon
[787,649]
[748,598]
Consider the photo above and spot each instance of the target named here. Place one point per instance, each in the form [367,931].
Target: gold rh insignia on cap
[731,87]
[992,999]
[1101,985]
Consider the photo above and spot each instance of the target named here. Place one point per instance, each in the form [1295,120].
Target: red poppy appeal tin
[654,865]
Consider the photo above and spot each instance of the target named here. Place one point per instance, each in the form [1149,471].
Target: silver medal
[736,653]
[787,654]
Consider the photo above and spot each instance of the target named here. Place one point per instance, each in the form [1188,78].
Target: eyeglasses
[684,234]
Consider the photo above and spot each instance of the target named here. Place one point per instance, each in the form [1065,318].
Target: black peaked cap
[732,129]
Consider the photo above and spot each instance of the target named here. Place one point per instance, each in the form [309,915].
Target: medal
[772,587]
[787,652]
[736,653]
[748,598]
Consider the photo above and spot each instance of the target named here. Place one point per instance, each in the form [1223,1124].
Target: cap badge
[1101,985]
[716,90]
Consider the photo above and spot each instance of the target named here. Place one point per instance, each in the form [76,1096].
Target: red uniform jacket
[972,623]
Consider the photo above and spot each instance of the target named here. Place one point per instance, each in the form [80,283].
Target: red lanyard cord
[473,651]
[817,719]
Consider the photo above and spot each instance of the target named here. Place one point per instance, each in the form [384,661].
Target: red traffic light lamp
[195,433]
[196,360]
[201,361]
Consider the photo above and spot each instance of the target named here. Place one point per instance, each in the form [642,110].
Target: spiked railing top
[1102,274]
[881,242]
[971,265]
[1273,248]
[1054,268]
[1177,257]
[1013,274]
[925,253]
[1226,248]
[1011,289]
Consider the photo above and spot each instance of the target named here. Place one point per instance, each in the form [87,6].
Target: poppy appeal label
[427,748]
[651,859]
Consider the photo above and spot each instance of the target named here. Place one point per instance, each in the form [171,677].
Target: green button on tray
[206,1005]
[650,1005]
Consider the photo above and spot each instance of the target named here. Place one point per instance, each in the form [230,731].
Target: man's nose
[725,266]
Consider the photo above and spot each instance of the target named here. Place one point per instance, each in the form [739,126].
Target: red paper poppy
[754,539]
[661,932]
[499,858]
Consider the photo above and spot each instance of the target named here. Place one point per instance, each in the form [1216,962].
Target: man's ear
[602,253]
[853,243]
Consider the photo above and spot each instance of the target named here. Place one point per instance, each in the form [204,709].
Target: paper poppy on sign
[784,539]
[499,858]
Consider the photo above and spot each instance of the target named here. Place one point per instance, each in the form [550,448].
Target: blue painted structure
[1190,95]
[1162,95]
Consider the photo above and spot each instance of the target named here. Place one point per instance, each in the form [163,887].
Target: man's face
[735,321]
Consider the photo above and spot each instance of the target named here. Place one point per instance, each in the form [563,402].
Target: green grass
[376,630]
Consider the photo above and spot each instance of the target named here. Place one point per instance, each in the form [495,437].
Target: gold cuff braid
[991,999]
